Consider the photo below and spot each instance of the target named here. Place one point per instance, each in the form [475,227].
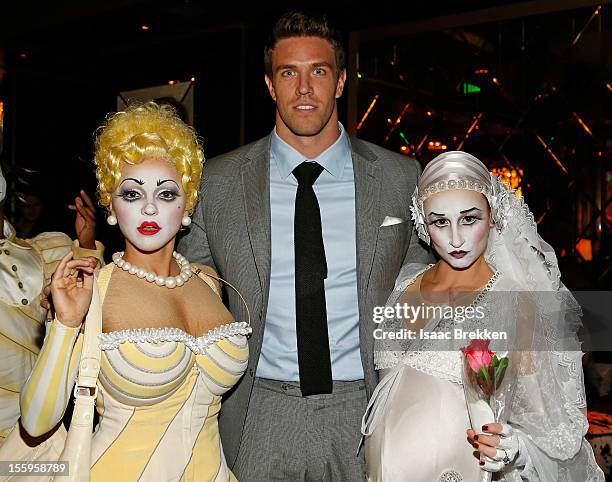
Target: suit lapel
[256,195]
[367,194]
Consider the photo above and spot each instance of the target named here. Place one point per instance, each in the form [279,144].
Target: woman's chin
[149,244]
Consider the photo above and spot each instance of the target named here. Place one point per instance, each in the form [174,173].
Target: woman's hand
[497,450]
[72,288]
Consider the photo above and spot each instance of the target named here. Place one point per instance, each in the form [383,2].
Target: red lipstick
[458,254]
[149,228]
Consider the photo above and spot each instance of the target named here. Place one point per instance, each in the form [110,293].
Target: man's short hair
[300,24]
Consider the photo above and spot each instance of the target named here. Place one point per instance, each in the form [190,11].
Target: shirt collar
[333,159]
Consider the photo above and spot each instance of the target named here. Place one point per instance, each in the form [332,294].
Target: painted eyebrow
[140,182]
[160,181]
[460,212]
[468,210]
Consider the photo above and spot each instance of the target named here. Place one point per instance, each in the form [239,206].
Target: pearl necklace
[167,281]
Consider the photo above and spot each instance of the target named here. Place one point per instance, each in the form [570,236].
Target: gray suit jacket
[231,231]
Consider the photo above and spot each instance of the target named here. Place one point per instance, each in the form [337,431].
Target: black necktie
[310,272]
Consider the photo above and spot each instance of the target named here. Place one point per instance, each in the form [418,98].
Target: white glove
[506,453]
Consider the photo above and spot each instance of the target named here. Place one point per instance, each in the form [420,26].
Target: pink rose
[478,354]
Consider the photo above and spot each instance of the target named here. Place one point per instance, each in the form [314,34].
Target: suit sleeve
[417,251]
[194,245]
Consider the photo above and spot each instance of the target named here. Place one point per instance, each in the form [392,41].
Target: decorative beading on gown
[450,476]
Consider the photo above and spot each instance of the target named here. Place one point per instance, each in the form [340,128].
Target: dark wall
[56,102]
[63,75]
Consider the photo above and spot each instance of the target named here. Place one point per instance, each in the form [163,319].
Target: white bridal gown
[420,433]
[421,438]
[416,420]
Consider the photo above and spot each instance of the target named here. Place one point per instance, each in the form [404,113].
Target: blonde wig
[145,131]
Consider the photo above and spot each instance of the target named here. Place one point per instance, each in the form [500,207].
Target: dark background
[65,61]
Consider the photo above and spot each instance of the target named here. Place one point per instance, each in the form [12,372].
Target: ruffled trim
[112,339]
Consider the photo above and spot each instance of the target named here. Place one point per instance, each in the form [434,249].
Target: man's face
[149,203]
[305,84]
[458,223]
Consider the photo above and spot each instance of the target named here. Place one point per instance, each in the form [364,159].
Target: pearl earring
[111,220]
[186,221]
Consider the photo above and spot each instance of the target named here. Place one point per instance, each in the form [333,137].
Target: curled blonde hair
[145,131]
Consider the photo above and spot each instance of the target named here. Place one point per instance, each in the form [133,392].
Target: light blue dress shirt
[335,190]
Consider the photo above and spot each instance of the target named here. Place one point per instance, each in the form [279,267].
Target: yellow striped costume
[26,267]
[159,395]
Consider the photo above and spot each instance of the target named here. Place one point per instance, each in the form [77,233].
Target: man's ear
[340,84]
[270,85]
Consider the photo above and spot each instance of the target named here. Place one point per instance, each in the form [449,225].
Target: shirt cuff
[64,330]
[79,252]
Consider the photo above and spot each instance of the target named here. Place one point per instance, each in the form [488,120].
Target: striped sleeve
[46,394]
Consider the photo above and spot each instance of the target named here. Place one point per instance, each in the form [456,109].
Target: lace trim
[441,364]
[445,365]
[404,284]
[564,441]
[574,371]
[112,340]
[387,359]
[488,287]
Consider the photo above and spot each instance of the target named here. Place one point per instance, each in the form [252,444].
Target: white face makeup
[458,223]
[149,203]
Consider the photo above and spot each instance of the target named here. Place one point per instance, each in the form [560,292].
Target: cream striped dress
[159,395]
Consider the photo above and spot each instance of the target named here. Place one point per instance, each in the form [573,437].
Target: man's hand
[85,221]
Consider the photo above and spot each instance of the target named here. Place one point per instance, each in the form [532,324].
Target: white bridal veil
[549,405]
